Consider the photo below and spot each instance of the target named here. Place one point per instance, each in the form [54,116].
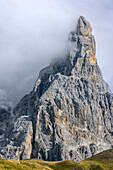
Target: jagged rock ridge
[69,113]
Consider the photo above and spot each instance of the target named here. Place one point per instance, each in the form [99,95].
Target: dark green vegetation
[100,161]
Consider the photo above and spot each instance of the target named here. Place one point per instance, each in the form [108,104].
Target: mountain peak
[84,27]
[83,51]
[84,42]
[68,114]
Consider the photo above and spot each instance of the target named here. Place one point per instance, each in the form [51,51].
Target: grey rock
[84,27]
[69,113]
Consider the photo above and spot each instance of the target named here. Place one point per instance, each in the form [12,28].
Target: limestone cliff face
[69,113]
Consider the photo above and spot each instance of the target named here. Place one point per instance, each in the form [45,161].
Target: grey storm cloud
[32,32]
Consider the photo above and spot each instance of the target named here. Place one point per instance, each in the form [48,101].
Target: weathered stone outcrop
[69,113]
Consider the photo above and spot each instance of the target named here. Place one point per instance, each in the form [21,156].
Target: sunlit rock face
[69,113]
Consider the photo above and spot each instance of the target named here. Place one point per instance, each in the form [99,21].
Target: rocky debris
[69,113]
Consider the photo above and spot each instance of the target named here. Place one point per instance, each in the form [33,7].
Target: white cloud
[34,31]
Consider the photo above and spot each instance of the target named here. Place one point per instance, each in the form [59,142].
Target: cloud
[32,32]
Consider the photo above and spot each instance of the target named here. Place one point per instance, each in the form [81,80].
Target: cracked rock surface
[69,112]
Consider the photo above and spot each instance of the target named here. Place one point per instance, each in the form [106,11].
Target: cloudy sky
[32,32]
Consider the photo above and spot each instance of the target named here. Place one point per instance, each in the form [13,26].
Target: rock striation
[69,112]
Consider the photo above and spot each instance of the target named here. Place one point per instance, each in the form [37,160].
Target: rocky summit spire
[69,113]
[84,42]
[83,53]
[84,27]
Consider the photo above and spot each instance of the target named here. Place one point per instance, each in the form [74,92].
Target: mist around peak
[34,32]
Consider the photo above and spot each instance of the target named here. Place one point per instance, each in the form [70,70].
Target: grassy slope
[103,160]
[100,161]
